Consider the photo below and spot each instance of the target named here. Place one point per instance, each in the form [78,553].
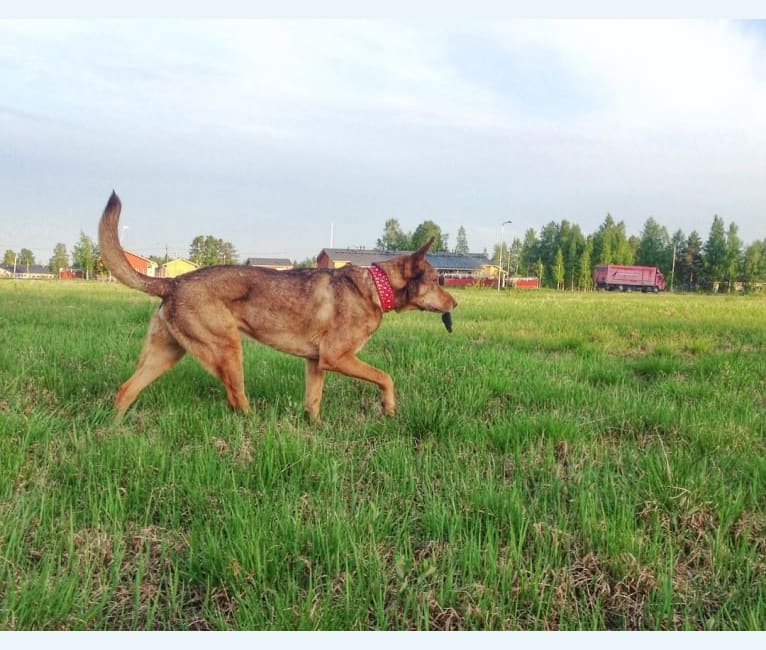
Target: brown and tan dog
[322,315]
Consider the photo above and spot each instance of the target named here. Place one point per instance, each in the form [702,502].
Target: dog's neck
[385,290]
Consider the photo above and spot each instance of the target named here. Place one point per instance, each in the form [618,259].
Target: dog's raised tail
[114,258]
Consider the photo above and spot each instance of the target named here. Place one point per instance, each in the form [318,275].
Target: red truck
[628,278]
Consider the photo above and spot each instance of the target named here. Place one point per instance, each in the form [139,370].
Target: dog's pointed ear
[421,252]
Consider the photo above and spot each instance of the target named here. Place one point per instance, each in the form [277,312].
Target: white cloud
[660,73]
[309,121]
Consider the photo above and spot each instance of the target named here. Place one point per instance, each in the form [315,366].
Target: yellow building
[174,268]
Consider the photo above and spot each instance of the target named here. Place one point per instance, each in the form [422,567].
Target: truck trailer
[628,278]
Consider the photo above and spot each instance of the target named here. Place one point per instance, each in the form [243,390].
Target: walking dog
[322,315]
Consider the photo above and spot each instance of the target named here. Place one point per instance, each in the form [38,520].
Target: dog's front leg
[314,387]
[351,366]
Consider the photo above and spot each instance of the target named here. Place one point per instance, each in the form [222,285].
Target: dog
[322,315]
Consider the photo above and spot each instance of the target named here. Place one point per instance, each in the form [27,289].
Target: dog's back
[292,311]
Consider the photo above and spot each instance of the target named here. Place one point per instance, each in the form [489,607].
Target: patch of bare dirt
[619,588]
[133,575]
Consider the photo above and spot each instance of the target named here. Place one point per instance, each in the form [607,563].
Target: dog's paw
[389,408]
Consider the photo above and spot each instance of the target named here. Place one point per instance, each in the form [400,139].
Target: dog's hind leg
[314,387]
[349,365]
[160,353]
[222,359]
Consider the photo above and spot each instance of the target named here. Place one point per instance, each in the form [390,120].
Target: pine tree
[653,245]
[530,251]
[733,256]
[461,245]
[715,254]
[691,268]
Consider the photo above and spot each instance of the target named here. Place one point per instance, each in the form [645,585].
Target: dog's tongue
[447,320]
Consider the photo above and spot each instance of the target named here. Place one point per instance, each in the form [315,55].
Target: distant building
[71,274]
[141,264]
[463,270]
[523,283]
[26,272]
[334,258]
[454,269]
[276,263]
[174,268]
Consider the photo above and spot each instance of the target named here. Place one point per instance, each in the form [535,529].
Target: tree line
[395,239]
[561,256]
[203,251]
[84,255]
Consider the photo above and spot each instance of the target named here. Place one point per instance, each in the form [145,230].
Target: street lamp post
[500,261]
[673,269]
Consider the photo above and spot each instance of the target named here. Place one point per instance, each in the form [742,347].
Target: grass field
[562,461]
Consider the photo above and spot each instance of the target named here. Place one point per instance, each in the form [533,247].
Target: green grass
[562,461]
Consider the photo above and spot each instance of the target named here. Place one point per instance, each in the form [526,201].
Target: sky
[277,135]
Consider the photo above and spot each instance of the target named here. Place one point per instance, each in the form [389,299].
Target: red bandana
[385,292]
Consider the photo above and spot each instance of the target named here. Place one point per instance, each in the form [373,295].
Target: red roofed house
[141,264]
